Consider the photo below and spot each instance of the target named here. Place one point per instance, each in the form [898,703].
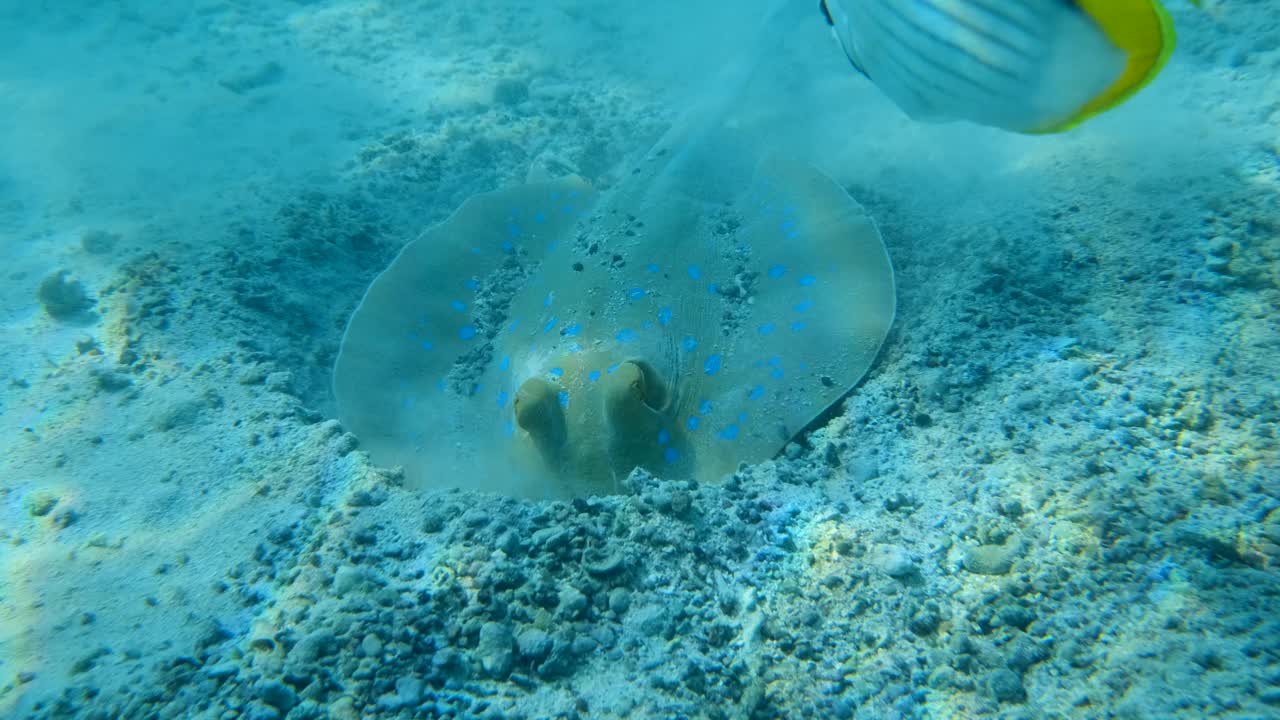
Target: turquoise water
[1052,494]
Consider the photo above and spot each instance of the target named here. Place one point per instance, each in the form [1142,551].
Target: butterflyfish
[1029,66]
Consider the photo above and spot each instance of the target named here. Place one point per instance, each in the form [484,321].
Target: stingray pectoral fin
[821,306]
[410,378]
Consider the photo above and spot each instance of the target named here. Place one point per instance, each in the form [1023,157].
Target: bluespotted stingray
[546,341]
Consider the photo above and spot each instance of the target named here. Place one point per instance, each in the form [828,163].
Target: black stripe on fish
[993,16]
[999,10]
[904,67]
[910,20]
[943,69]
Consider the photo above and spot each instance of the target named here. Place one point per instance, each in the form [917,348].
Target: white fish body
[1022,65]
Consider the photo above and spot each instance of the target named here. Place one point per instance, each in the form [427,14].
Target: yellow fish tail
[1144,31]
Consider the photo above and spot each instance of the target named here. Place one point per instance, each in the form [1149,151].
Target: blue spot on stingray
[712,365]
[664,316]
[768,328]
[568,209]
[573,193]
[793,234]
[573,330]
[504,363]
[803,305]
[550,298]
[610,370]
[787,225]
[539,217]
[695,272]
[755,393]
[471,284]
[556,372]
[671,455]
[549,325]
[704,407]
[777,374]
[742,417]
[688,343]
[477,251]
[513,230]
[563,397]
[626,335]
[777,271]
[774,361]
[509,428]
[428,345]
[555,195]
[646,324]
[458,305]
[730,432]
[574,348]
[713,288]
[807,280]
[788,210]
[407,402]
[652,267]
[635,293]
[664,437]
[467,332]
[507,246]
[797,326]
[552,245]
[594,375]
[502,398]
[514,324]
[693,422]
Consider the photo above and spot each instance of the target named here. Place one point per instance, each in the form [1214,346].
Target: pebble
[314,646]
[619,600]
[371,646]
[1017,616]
[260,711]
[347,579]
[924,622]
[988,560]
[495,649]
[63,296]
[40,503]
[895,562]
[222,671]
[277,695]
[1006,686]
[409,688]
[572,601]
[533,643]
